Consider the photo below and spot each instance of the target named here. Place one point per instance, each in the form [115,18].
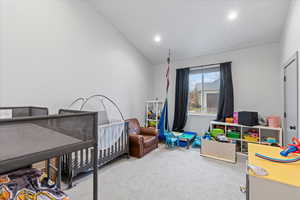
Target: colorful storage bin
[234,135]
[216,131]
[249,138]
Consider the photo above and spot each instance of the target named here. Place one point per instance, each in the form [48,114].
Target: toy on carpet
[207,136]
[171,140]
[197,142]
[291,148]
[186,136]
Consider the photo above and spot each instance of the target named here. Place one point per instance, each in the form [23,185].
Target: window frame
[201,113]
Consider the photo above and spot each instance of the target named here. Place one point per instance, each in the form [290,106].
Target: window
[204,85]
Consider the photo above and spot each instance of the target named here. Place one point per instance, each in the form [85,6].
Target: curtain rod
[207,65]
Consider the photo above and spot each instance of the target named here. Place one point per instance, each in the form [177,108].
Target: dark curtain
[226,102]
[181,99]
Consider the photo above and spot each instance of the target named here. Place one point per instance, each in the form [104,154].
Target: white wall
[290,42]
[256,77]
[53,51]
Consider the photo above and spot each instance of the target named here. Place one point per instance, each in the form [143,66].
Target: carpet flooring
[165,174]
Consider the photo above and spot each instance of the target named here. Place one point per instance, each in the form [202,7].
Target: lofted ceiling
[194,27]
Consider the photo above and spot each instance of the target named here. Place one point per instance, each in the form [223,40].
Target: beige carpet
[164,174]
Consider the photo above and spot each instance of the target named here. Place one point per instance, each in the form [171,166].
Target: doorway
[291,99]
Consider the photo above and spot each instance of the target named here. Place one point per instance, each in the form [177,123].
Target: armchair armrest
[136,139]
[136,145]
[149,131]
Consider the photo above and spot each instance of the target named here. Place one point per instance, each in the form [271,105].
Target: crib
[112,137]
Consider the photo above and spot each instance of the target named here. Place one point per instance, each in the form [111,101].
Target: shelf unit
[263,132]
[154,106]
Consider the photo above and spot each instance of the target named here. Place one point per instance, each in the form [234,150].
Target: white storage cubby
[153,110]
[264,132]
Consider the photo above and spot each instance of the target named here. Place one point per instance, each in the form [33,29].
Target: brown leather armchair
[141,140]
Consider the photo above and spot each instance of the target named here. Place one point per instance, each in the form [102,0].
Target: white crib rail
[109,134]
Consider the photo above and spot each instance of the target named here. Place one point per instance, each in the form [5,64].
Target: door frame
[294,58]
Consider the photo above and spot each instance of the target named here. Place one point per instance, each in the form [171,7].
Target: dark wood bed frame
[72,167]
[80,126]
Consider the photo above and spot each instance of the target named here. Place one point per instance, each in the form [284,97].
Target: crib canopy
[108,110]
[76,104]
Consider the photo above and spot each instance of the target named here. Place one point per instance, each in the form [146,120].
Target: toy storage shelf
[153,110]
[264,132]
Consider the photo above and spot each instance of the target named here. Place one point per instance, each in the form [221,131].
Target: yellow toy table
[282,181]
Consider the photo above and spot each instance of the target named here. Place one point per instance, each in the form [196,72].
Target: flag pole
[164,120]
[167,91]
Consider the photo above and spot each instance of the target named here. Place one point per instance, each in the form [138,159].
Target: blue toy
[291,148]
[207,136]
[197,142]
[171,140]
[186,134]
[288,150]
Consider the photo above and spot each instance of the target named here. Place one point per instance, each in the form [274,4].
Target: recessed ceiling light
[232,15]
[157,38]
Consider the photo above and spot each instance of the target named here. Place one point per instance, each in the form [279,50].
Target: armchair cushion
[149,141]
[148,131]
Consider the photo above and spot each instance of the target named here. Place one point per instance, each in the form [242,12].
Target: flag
[168,72]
